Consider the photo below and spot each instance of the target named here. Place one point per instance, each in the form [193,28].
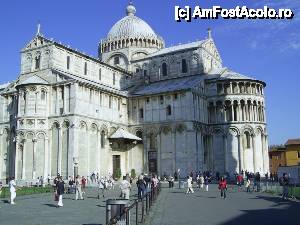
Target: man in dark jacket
[141,184]
[60,189]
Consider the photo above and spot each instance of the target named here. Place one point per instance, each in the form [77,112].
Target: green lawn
[26,191]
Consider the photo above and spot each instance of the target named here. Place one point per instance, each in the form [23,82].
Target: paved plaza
[173,207]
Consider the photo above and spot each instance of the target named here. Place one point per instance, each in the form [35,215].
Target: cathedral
[138,105]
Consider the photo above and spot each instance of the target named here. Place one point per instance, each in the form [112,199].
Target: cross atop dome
[130,9]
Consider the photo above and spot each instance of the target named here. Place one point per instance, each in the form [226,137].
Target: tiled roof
[123,134]
[168,85]
[176,48]
[293,142]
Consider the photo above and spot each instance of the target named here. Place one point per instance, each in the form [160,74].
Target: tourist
[71,185]
[257,181]
[189,185]
[223,187]
[285,183]
[141,184]
[201,181]
[101,187]
[247,185]
[206,182]
[42,181]
[125,188]
[12,189]
[48,179]
[83,184]
[154,184]
[239,179]
[78,186]
[1,185]
[60,188]
[198,180]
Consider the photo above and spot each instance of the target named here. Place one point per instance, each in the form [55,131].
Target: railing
[135,212]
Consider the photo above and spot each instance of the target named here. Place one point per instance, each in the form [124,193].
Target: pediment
[210,47]
[37,41]
[35,79]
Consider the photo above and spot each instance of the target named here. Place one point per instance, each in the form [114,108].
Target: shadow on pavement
[287,214]
[5,201]
[51,205]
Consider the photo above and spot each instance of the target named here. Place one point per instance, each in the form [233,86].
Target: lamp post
[75,161]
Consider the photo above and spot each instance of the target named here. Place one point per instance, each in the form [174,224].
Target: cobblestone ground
[174,207]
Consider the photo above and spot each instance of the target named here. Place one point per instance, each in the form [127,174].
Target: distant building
[284,155]
[192,113]
[276,158]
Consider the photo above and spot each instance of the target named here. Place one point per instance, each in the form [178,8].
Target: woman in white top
[190,185]
[12,189]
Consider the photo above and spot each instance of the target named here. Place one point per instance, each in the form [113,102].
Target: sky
[268,50]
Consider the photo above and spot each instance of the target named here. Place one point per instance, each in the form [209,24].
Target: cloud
[282,35]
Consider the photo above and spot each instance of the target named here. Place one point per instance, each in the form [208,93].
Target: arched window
[100,73]
[116,60]
[183,66]
[114,78]
[164,69]
[85,68]
[169,110]
[43,95]
[37,62]
[247,140]
[102,139]
[68,62]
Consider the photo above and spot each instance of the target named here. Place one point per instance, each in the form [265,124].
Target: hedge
[26,191]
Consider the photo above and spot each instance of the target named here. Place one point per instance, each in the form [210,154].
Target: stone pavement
[174,207]
[41,209]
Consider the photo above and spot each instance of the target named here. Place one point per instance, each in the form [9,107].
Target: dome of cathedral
[131,26]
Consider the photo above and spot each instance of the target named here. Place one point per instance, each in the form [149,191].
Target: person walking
[285,184]
[201,180]
[206,182]
[223,187]
[78,185]
[247,185]
[12,189]
[101,187]
[83,184]
[60,188]
[125,188]
[190,185]
[141,184]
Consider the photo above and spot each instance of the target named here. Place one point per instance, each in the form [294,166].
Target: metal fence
[135,212]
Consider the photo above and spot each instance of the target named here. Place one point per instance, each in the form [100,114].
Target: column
[59,149]
[254,155]
[232,111]
[34,141]
[158,154]
[240,149]
[99,151]
[263,152]
[64,89]
[24,159]
[46,171]
[173,133]
[225,153]
[19,104]
[240,113]
[17,158]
